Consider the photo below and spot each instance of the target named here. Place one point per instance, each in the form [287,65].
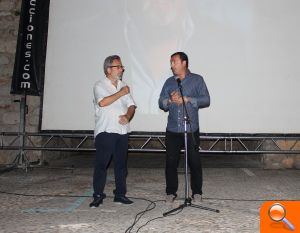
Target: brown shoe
[170,198]
[197,198]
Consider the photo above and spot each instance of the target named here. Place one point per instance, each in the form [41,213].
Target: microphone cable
[139,215]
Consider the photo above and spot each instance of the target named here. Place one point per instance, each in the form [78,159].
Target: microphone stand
[187,198]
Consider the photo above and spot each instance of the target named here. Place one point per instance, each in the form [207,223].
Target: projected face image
[159,12]
[153,31]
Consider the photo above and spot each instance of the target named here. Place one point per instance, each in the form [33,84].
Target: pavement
[52,199]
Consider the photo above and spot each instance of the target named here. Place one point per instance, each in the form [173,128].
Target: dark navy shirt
[193,87]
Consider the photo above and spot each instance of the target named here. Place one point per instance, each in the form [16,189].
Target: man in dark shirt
[195,95]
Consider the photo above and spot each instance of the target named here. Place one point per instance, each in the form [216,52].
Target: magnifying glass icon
[277,213]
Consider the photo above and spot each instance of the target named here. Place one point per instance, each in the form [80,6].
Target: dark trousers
[108,145]
[174,143]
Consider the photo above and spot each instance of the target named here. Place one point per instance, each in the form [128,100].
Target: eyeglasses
[118,66]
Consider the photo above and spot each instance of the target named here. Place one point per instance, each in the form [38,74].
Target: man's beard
[117,78]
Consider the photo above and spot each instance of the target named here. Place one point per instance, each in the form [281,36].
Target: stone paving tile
[63,206]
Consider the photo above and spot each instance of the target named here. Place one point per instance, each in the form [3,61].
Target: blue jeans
[108,145]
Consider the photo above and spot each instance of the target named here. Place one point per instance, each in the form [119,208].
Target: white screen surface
[247,52]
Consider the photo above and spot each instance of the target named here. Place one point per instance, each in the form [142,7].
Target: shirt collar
[108,82]
[188,74]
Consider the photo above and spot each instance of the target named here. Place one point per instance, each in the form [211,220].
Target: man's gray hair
[108,62]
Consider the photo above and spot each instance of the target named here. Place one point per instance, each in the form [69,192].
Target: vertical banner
[29,62]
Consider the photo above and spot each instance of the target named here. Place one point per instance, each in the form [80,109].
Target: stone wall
[9,110]
[282,161]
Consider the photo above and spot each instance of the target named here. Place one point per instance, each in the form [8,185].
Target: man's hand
[123,119]
[124,90]
[112,98]
[176,98]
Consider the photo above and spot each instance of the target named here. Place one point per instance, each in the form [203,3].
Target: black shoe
[123,200]
[97,201]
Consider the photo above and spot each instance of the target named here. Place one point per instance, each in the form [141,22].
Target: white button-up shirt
[107,118]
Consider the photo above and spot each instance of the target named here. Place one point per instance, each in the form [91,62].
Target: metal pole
[21,160]
[186,159]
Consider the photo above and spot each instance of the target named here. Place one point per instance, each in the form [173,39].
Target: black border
[44,38]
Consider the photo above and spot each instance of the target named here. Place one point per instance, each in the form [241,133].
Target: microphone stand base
[188,203]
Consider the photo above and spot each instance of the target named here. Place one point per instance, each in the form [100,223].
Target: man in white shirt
[114,108]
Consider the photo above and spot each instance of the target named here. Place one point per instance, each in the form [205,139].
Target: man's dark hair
[183,57]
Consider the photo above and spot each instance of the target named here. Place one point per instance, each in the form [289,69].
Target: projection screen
[247,51]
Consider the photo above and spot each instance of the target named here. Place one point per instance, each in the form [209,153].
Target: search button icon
[277,213]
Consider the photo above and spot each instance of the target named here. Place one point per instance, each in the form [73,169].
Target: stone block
[14,107]
[297,162]
[36,111]
[5,81]
[273,166]
[33,101]
[11,118]
[4,90]
[272,161]
[52,155]
[33,155]
[5,100]
[2,46]
[8,128]
[8,21]
[7,70]
[288,162]
[18,5]
[4,13]
[31,128]
[5,106]
[33,111]
[2,157]
[281,161]
[297,146]
[4,59]
[7,5]
[7,157]
[33,120]
[4,37]
[37,140]
[285,144]
[8,46]
[7,103]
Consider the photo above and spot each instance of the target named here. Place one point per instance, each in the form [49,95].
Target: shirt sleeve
[99,93]
[163,101]
[202,100]
[129,100]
